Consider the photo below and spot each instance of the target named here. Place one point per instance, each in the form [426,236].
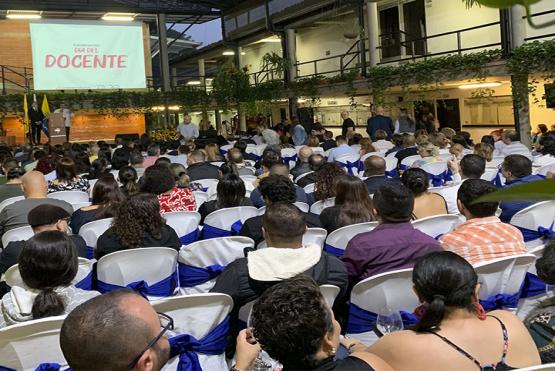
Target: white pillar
[518,25]
[291,47]
[373,33]
[201,72]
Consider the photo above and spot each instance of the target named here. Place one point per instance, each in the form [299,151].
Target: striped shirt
[482,239]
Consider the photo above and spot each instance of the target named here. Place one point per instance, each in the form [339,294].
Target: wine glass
[389,321]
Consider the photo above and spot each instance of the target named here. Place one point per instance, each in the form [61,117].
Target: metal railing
[346,62]
[541,36]
[265,75]
[15,79]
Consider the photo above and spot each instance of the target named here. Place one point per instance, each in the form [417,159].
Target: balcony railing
[539,17]
[15,79]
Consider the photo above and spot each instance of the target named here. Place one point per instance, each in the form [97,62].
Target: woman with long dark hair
[425,203]
[14,172]
[160,180]
[128,177]
[454,327]
[230,193]
[137,223]
[106,198]
[67,178]
[48,264]
[324,187]
[352,204]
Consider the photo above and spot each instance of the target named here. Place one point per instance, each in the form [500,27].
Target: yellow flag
[45,108]
[25,114]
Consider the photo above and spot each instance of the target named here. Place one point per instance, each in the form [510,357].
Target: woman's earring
[332,352]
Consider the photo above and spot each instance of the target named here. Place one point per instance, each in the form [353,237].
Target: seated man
[516,169]
[42,218]
[35,189]
[394,243]
[512,146]
[315,162]
[409,148]
[199,168]
[483,236]
[470,167]
[283,170]
[342,149]
[283,227]
[274,189]
[116,331]
[328,142]
[302,165]
[374,170]
[241,145]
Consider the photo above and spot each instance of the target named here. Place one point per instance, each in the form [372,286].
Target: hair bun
[440,297]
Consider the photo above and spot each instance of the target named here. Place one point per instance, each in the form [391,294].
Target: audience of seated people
[483,236]
[409,148]
[67,178]
[277,169]
[381,142]
[235,159]
[425,203]
[470,167]
[198,168]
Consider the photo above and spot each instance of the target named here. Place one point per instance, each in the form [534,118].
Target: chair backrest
[183,222]
[209,184]
[391,289]
[72,197]
[316,236]
[289,152]
[17,234]
[309,188]
[92,230]
[545,367]
[197,315]
[25,346]
[318,150]
[224,218]
[79,205]
[9,201]
[302,176]
[541,214]
[408,161]
[364,157]
[329,292]
[200,198]
[317,207]
[503,275]
[341,236]
[550,168]
[391,163]
[434,168]
[13,277]
[92,182]
[437,225]
[445,156]
[489,174]
[226,148]
[303,206]
[352,158]
[248,179]
[150,264]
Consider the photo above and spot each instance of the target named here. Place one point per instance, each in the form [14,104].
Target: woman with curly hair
[137,223]
[160,180]
[324,187]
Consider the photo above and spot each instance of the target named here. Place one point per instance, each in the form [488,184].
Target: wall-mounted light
[193,82]
[301,100]
[480,85]
[272,39]
[121,17]
[228,52]
[23,14]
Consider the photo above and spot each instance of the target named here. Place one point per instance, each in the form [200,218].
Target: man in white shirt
[187,129]
[381,143]
[341,149]
[68,116]
[513,145]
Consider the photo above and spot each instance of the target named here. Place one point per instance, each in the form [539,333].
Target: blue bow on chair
[440,179]
[41,367]
[542,232]
[392,173]
[532,286]
[500,301]
[186,346]
[90,252]
[333,250]
[85,283]
[349,165]
[289,158]
[189,237]
[165,287]
[190,276]
[361,320]
[209,231]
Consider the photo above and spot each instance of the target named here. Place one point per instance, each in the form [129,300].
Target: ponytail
[47,304]
[182,180]
[433,315]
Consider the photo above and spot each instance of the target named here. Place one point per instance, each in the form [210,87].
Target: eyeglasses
[166,323]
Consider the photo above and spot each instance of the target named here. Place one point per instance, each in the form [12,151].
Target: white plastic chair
[309,188]
[209,184]
[72,197]
[329,292]
[541,214]
[434,168]
[289,152]
[408,161]
[79,205]
[341,236]
[489,174]
[302,176]
[149,264]
[216,251]
[364,157]
[248,179]
[550,168]
[391,290]
[348,158]
[92,182]
[546,367]
[503,275]
[25,346]
[183,222]
[317,207]
[197,315]
[225,218]
[9,201]
[391,163]
[200,198]
[17,234]
[92,230]
[314,236]
[226,148]
[437,225]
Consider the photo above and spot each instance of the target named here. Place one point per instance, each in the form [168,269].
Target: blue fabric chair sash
[403,167]
[440,179]
[186,346]
[532,286]
[290,158]
[542,232]
[497,180]
[190,276]
[361,320]
[90,252]
[41,367]
[209,231]
[392,173]
[349,165]
[500,301]
[333,250]
[164,287]
[189,237]
[85,283]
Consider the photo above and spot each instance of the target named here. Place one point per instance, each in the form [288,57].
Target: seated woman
[324,187]
[429,154]
[238,164]
[212,153]
[67,178]
[160,180]
[546,147]
[366,146]
[182,178]
[352,204]
[541,320]
[48,264]
[106,198]
[313,141]
[293,323]
[230,193]
[127,177]
[138,223]
[99,168]
[14,172]
[485,151]
[425,203]
[454,332]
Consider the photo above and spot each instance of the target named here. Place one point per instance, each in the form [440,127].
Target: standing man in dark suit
[378,122]
[36,117]
[374,170]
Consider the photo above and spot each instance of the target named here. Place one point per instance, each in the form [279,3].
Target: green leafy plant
[274,62]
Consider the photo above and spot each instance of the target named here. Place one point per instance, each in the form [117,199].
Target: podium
[56,129]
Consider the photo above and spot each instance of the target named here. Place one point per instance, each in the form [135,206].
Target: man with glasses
[116,331]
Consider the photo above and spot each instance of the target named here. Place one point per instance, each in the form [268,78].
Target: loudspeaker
[127,137]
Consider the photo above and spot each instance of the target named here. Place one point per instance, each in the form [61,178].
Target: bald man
[374,170]
[302,165]
[187,130]
[35,189]
[114,332]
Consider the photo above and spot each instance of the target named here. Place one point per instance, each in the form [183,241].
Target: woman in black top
[138,223]
[230,193]
[352,205]
[293,323]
